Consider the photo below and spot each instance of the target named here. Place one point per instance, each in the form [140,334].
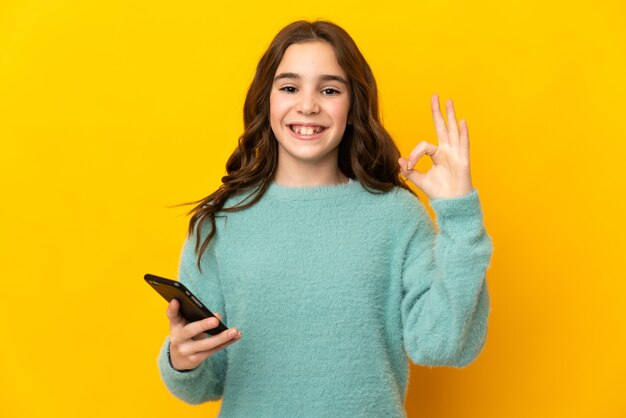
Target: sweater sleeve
[205,382]
[445,304]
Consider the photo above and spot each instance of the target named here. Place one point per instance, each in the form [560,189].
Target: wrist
[181,370]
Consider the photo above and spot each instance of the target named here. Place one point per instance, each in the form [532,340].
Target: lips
[306,130]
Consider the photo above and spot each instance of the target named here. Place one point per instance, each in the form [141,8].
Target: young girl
[324,264]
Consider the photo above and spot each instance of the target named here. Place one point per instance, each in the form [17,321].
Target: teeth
[307,130]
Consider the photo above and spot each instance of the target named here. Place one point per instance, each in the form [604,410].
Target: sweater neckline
[322,192]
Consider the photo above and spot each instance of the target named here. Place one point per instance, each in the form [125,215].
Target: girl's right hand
[189,345]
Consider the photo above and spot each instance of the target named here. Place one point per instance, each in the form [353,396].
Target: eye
[330,92]
[288,89]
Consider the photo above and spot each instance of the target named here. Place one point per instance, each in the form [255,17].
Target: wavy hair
[366,152]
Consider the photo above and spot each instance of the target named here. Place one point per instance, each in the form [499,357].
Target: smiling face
[309,105]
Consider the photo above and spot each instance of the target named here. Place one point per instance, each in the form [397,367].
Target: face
[309,105]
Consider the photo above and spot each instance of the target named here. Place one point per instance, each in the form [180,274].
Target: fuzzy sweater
[335,289]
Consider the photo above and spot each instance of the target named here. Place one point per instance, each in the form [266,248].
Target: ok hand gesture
[450,174]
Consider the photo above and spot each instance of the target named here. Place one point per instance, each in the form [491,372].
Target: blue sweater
[332,288]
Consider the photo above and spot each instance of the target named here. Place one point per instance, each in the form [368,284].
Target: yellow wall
[111,111]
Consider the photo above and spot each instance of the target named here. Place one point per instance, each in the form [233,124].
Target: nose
[307,104]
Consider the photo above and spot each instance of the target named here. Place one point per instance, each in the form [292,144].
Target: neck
[309,176]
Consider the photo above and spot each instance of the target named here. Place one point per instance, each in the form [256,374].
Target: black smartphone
[190,306]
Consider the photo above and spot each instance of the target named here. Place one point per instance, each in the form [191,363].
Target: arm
[206,381]
[445,306]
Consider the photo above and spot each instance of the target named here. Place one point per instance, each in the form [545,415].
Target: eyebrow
[324,77]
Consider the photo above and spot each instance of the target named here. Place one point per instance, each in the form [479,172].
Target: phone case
[190,306]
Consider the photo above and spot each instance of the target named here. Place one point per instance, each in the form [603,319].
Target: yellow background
[112,111]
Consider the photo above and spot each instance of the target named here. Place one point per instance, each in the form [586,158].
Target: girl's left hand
[450,174]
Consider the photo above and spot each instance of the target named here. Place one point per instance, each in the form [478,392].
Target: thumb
[173,314]
[172,309]
[413,175]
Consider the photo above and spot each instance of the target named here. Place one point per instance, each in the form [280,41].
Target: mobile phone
[190,306]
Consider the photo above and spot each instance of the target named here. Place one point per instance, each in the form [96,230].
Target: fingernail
[409,165]
[232,332]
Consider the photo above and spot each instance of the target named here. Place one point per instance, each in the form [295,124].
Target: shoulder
[405,199]
[405,204]
[399,210]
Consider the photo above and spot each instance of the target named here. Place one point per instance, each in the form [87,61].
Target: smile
[306,130]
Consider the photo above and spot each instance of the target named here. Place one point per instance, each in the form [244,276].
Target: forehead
[310,58]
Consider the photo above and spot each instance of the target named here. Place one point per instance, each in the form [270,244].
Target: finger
[464,136]
[211,344]
[415,176]
[453,129]
[195,328]
[176,320]
[226,344]
[204,335]
[440,125]
[220,341]
[422,148]
[203,355]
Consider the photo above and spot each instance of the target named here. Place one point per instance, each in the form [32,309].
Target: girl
[324,263]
